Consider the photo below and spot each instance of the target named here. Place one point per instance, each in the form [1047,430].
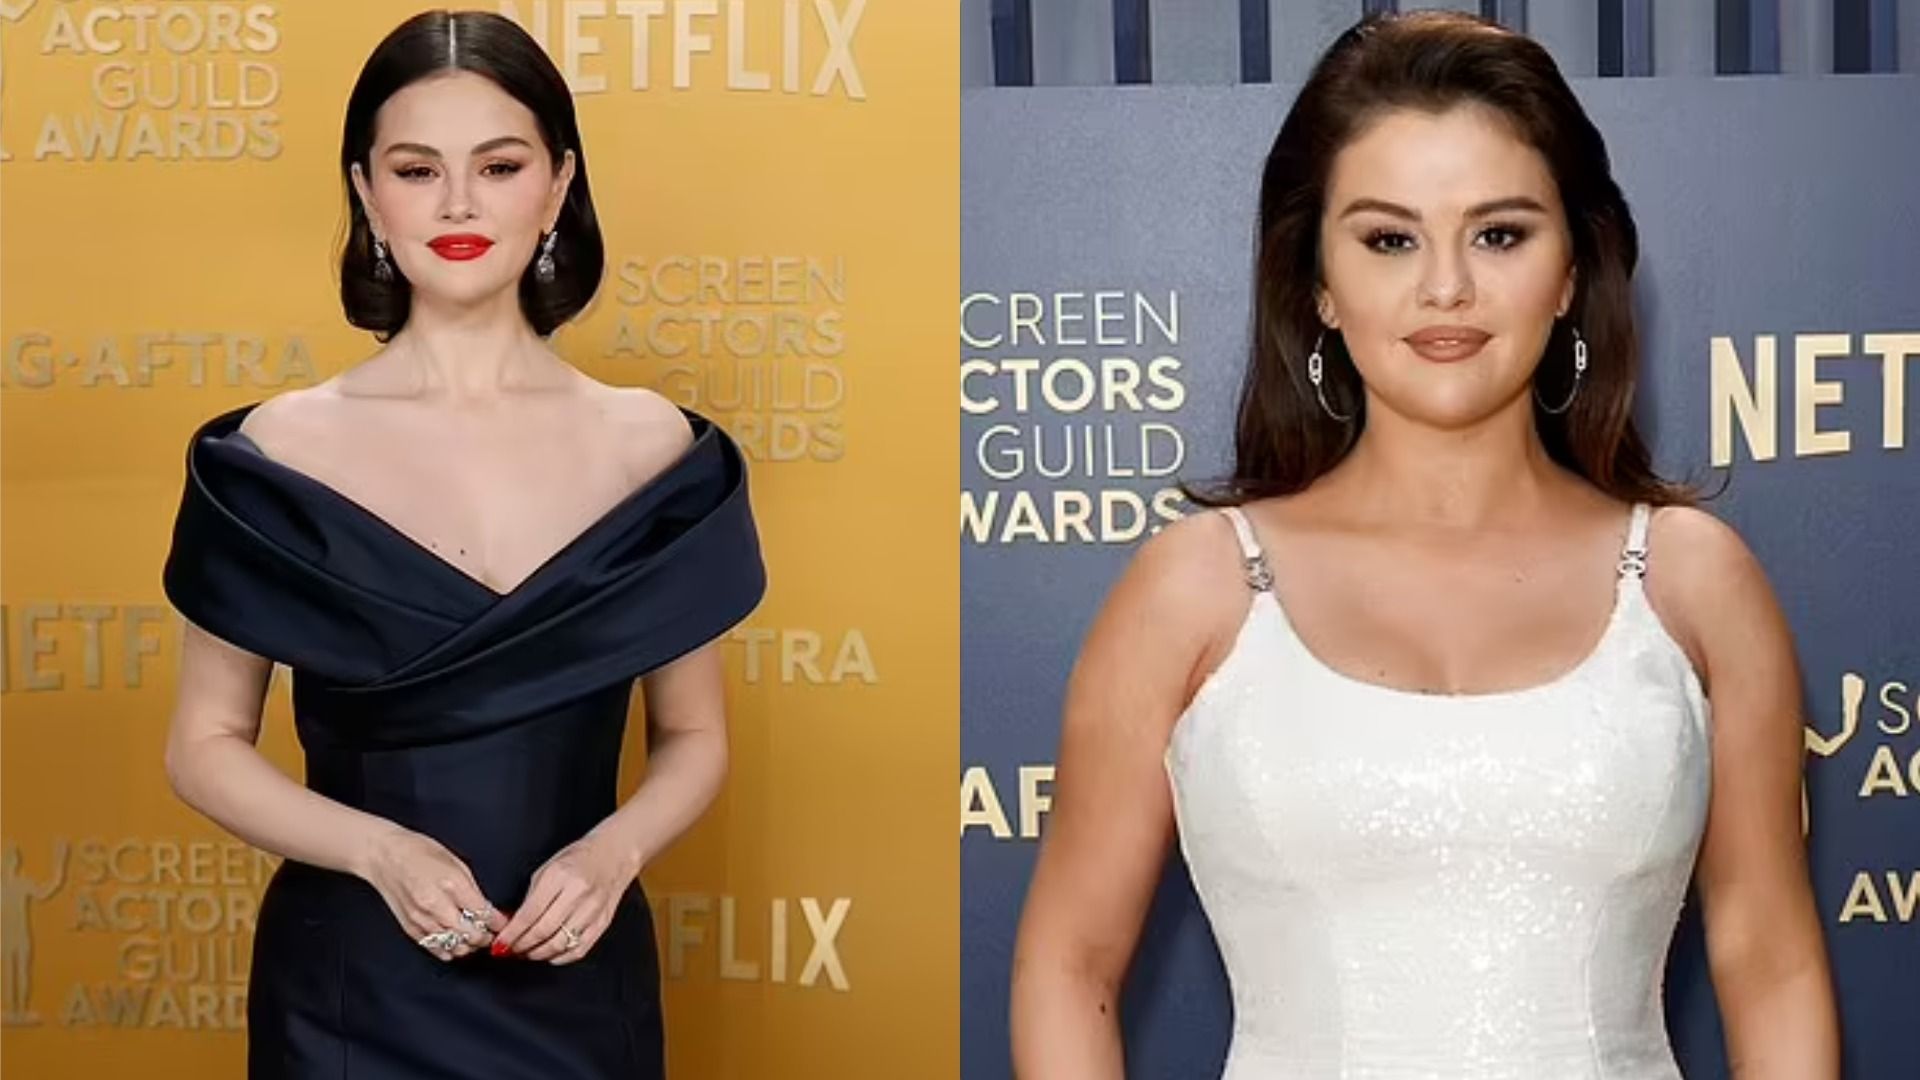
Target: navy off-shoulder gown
[489,721]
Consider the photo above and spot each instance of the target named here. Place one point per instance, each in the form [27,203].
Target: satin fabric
[489,721]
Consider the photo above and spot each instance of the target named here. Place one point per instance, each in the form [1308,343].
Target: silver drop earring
[382,269]
[1579,375]
[1317,375]
[543,268]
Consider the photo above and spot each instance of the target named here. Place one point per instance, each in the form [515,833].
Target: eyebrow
[1496,206]
[428,151]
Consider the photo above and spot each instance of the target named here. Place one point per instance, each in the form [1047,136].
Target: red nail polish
[499,947]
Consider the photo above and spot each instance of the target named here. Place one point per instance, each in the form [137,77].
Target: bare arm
[216,768]
[1764,943]
[686,756]
[1112,815]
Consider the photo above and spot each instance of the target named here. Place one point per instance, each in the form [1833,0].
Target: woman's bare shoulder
[296,417]
[648,431]
[1185,587]
[1704,580]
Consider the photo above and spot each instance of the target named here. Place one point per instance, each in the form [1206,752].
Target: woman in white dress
[1454,696]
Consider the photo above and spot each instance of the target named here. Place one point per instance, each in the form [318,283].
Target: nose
[456,203]
[1446,281]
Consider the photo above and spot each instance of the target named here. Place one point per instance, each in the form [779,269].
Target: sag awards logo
[1074,394]
[177,918]
[790,47]
[1883,710]
[140,81]
[18,893]
[758,342]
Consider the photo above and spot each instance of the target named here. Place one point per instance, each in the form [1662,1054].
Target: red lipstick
[460,247]
[1448,344]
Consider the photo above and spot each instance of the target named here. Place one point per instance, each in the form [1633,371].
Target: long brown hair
[1434,61]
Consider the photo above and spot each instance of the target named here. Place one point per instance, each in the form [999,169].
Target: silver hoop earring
[1317,375]
[382,269]
[543,268]
[1579,375]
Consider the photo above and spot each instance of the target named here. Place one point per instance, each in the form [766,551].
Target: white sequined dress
[1469,887]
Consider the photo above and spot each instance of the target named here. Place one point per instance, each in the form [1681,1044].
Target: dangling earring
[1579,374]
[1317,375]
[382,269]
[543,268]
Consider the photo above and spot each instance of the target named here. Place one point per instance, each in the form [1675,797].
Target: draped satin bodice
[489,721]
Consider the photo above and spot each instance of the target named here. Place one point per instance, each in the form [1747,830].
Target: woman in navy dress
[467,552]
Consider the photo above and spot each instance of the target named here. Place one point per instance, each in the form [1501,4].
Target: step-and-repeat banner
[778,185]
[1106,262]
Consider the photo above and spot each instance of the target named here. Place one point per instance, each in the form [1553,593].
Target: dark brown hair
[495,47]
[1434,61]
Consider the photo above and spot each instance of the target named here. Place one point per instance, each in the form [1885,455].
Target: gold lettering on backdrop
[1894,351]
[738,956]
[738,46]
[184,912]
[1887,707]
[755,341]
[1751,404]
[803,656]
[1886,773]
[981,806]
[153,1005]
[731,966]
[683,932]
[1866,900]
[69,646]
[37,360]
[1092,412]
[1034,802]
[1811,392]
[824,957]
[184,82]
[1885,776]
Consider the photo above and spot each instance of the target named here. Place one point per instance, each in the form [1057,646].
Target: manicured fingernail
[499,947]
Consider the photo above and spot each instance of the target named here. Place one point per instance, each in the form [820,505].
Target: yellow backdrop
[778,182]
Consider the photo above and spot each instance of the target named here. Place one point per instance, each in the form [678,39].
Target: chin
[464,291]
[1449,412]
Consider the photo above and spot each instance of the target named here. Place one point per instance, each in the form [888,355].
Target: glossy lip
[460,247]
[1447,344]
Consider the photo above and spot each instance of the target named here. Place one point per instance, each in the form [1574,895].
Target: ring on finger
[441,940]
[573,938]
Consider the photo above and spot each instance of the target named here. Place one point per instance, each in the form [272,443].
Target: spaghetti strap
[1633,557]
[1253,560]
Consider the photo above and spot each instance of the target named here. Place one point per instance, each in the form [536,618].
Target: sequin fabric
[1408,886]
